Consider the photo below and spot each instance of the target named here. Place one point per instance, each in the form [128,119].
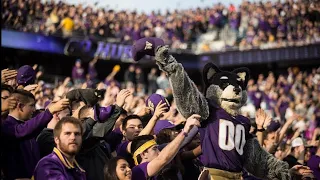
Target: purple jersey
[140,172]
[222,140]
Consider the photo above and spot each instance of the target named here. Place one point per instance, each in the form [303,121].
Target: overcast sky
[149,5]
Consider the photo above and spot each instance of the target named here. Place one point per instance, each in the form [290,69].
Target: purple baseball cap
[145,46]
[154,99]
[274,126]
[162,124]
[26,75]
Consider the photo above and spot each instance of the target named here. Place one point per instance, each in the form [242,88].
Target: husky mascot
[227,146]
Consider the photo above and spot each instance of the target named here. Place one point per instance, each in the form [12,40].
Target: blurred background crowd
[250,25]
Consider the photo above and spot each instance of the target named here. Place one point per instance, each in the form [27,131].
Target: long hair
[109,169]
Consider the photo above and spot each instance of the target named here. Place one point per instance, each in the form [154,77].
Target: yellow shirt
[67,24]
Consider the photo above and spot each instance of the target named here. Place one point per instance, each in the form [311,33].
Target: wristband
[261,130]
[185,134]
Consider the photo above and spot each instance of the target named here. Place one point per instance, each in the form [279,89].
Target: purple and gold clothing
[20,150]
[122,151]
[140,172]
[222,140]
[56,166]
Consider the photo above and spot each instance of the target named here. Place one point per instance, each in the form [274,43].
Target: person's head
[131,127]
[165,131]
[75,108]
[64,113]
[117,168]
[25,106]
[78,63]
[166,136]
[153,71]
[131,68]
[6,91]
[280,152]
[85,112]
[144,149]
[297,146]
[269,137]
[68,135]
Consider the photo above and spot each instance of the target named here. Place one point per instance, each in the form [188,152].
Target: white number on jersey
[231,136]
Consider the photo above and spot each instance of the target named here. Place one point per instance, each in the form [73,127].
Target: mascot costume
[227,146]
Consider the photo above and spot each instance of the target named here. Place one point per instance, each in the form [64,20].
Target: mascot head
[226,89]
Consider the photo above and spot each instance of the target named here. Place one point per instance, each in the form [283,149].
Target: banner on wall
[122,52]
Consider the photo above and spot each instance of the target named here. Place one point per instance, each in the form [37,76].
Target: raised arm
[34,125]
[262,164]
[188,98]
[170,151]
[160,109]
[285,127]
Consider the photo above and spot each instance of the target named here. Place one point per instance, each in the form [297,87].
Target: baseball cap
[145,46]
[26,75]
[274,126]
[297,142]
[154,99]
[162,124]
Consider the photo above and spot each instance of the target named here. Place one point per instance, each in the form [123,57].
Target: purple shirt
[122,151]
[140,172]
[56,166]
[222,140]
[77,73]
[20,152]
[314,165]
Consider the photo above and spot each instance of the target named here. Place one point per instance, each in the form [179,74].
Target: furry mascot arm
[188,98]
[262,164]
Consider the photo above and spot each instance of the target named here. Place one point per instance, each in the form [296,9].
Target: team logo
[150,105]
[148,45]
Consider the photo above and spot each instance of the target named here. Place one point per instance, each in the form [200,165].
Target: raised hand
[193,120]
[162,55]
[300,170]
[9,103]
[121,97]
[31,87]
[7,75]
[260,118]
[143,111]
[267,120]
[60,105]
[160,109]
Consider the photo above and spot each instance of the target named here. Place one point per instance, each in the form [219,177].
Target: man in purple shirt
[19,132]
[61,163]
[149,160]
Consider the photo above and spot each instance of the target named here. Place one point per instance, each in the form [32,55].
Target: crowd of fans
[87,128]
[252,24]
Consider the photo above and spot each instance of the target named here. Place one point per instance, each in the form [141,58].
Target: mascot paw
[162,55]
